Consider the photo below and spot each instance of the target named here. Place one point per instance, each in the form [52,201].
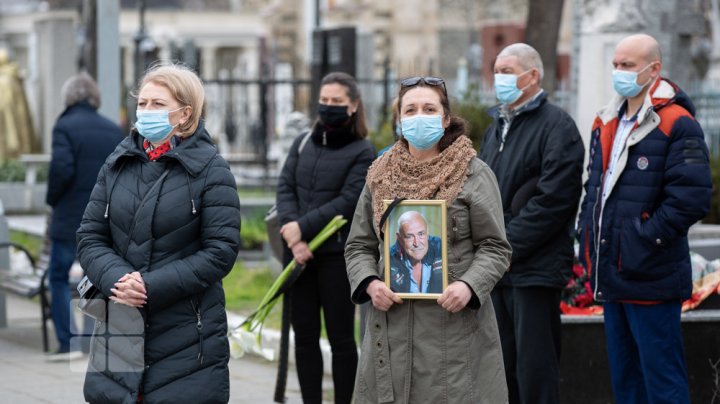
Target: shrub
[14,171]
[476,116]
[714,215]
[384,137]
[253,232]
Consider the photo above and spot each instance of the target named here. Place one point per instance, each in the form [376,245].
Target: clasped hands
[292,235]
[130,290]
[455,297]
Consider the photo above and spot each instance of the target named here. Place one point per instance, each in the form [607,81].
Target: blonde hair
[184,85]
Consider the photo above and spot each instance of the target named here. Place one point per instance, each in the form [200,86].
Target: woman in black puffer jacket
[159,234]
[323,180]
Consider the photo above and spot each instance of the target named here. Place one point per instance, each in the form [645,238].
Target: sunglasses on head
[431,81]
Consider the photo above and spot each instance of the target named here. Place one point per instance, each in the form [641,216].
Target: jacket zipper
[198,326]
[314,175]
[597,241]
[455,238]
[503,135]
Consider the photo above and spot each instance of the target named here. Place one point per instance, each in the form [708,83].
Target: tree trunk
[541,32]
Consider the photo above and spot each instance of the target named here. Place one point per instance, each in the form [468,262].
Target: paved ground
[25,377]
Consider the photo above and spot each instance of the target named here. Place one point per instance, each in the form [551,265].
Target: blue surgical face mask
[422,131]
[154,125]
[506,89]
[625,82]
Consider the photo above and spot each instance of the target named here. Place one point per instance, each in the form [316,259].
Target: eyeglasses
[431,81]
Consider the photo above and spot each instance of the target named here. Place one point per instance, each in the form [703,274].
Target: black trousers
[324,284]
[529,323]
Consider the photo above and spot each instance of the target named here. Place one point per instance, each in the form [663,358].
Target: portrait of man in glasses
[415,257]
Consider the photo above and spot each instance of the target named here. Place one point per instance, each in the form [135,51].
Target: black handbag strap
[386,214]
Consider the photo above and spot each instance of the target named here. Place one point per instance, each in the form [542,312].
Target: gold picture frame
[402,274]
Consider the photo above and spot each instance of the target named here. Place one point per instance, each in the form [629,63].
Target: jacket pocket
[640,258]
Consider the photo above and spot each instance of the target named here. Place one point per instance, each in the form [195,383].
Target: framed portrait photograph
[415,249]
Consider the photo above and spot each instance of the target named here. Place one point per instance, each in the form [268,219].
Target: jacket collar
[193,154]
[334,138]
[78,106]
[531,105]
[662,92]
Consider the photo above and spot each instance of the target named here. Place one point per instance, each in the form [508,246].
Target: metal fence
[247,119]
[707,112]
[241,112]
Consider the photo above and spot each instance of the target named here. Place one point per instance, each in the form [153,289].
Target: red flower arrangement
[577,297]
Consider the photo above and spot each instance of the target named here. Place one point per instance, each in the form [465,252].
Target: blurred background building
[260,58]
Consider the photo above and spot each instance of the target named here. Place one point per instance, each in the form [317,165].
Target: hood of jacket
[80,105]
[663,92]
[194,153]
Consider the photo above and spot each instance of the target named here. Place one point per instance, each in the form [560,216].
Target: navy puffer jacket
[177,221]
[634,244]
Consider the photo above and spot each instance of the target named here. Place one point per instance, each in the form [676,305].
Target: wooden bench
[27,281]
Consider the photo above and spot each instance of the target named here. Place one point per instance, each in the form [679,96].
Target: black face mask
[333,115]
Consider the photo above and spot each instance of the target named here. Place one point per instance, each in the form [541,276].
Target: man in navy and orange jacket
[649,181]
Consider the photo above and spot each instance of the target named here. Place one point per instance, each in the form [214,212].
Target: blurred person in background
[316,184]
[535,150]
[81,141]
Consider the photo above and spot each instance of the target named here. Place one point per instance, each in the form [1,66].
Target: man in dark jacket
[649,181]
[416,257]
[536,152]
[81,141]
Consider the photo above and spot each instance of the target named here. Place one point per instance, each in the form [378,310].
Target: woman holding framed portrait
[426,247]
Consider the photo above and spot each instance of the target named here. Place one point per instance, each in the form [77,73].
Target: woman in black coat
[159,234]
[323,180]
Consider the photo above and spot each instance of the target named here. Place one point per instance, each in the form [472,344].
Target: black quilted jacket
[322,181]
[177,221]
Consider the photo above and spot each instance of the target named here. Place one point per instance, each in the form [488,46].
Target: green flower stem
[257,319]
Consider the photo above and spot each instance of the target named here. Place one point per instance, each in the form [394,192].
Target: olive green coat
[417,352]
